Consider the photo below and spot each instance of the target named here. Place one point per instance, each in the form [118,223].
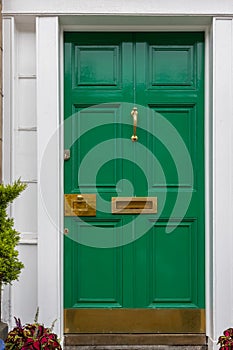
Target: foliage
[226,340]
[32,337]
[10,266]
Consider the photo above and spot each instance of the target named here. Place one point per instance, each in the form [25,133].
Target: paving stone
[137,347]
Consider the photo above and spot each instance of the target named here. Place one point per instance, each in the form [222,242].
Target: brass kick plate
[134,205]
[80,204]
[99,321]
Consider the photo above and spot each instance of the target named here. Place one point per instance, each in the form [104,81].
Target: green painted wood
[165,72]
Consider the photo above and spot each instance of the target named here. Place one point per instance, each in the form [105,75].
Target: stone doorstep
[136,347]
[141,340]
[135,342]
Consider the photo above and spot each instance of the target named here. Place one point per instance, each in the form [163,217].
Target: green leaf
[10,266]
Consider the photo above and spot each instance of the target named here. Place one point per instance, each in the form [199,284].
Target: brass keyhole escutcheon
[134,138]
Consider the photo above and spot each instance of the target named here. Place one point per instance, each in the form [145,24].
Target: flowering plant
[226,340]
[32,337]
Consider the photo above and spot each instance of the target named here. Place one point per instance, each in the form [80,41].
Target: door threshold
[135,340]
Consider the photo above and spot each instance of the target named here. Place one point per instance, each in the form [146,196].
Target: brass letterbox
[134,205]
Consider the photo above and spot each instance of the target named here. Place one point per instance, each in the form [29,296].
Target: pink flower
[228,332]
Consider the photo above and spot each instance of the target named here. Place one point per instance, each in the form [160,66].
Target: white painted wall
[31,116]
[19,157]
[157,7]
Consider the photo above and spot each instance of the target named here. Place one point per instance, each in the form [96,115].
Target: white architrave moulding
[131,7]
[221,301]
[49,256]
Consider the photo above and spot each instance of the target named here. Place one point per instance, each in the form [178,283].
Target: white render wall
[157,7]
[31,115]
[27,107]
[19,157]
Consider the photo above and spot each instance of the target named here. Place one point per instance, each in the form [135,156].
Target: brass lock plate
[80,204]
[134,205]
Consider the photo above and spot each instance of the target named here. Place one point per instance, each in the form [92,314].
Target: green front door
[125,271]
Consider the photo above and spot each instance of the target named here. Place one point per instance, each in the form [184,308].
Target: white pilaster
[49,260]
[221,301]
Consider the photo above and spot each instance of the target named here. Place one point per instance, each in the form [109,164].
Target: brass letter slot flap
[134,205]
[80,204]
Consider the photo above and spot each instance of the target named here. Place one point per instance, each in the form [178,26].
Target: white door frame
[206,30]
[218,163]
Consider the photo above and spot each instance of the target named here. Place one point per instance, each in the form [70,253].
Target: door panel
[139,262]
[174,269]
